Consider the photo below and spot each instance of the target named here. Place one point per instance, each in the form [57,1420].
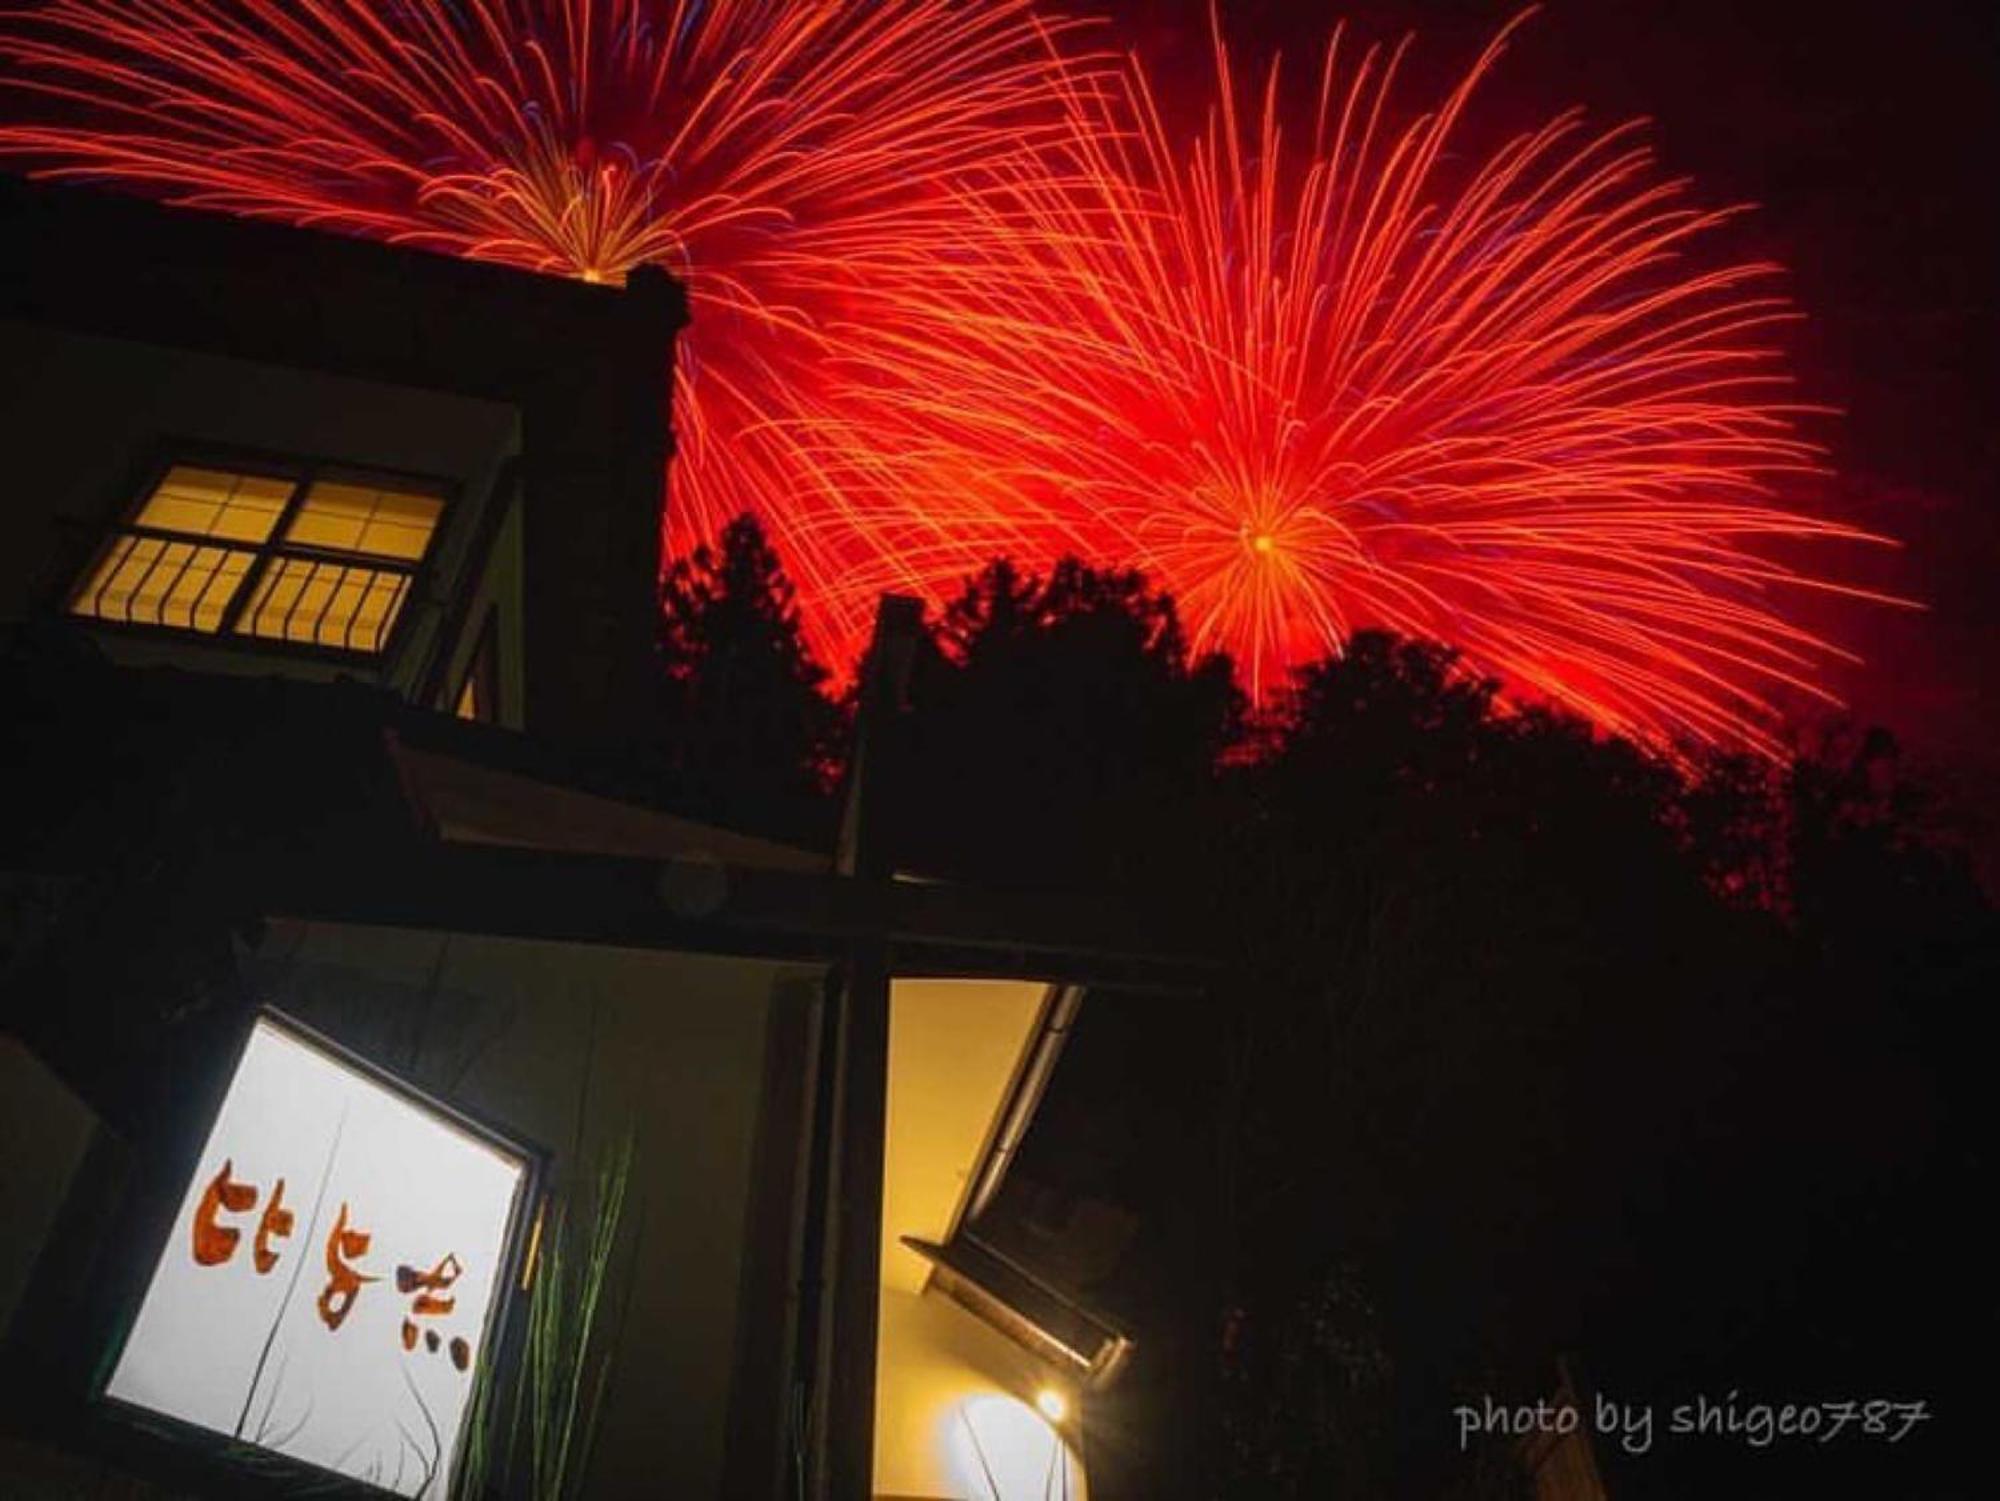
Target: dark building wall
[37,1111]
[491,592]
[589,368]
[84,419]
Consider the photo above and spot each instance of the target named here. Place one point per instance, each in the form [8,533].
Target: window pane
[216,503]
[377,610]
[365,519]
[151,581]
[343,605]
[336,575]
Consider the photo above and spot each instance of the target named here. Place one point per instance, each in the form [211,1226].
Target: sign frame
[166,1442]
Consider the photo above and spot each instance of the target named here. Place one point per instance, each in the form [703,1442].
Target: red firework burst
[1314,389]
[768,150]
[955,300]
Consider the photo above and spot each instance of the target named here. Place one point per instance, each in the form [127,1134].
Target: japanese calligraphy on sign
[332,1274]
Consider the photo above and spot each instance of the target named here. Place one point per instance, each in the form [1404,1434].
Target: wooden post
[841,1334]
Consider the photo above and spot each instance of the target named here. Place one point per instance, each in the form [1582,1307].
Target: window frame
[144,1205]
[482,671]
[303,471]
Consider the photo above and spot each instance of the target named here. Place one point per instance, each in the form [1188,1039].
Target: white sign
[331,1277]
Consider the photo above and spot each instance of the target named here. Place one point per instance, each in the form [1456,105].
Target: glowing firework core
[957,297]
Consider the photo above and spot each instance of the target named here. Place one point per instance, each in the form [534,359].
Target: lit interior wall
[954,1411]
[954,1398]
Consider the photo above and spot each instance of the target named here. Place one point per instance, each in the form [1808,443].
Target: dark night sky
[1866,135]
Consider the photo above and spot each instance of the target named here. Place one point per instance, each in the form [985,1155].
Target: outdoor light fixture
[1070,1337]
[1004,1450]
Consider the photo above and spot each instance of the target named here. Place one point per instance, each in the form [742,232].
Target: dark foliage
[1531,1042]
[1058,734]
[747,734]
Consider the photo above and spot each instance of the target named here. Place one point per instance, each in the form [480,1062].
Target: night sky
[1866,136]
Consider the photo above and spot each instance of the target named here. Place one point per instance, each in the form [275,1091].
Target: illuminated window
[318,560]
[365,519]
[305,1306]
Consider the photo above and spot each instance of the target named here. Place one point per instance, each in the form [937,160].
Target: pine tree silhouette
[748,735]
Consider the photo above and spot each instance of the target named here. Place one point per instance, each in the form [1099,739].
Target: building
[327,575]
[149,354]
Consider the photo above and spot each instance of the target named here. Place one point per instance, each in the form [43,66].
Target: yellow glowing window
[152,581]
[282,557]
[321,602]
[215,503]
[361,519]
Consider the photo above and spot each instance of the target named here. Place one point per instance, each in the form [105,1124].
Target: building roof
[589,368]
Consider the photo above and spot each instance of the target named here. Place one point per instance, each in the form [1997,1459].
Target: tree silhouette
[1533,1041]
[1058,733]
[747,733]
[1516,1019]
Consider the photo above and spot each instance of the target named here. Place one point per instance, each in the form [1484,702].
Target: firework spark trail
[1313,390]
[767,150]
[953,300]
